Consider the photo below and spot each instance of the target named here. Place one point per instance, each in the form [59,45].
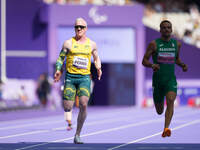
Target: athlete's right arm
[60,60]
[149,52]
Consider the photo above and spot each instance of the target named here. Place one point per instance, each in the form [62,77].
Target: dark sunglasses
[79,26]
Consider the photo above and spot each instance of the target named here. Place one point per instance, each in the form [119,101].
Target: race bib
[80,62]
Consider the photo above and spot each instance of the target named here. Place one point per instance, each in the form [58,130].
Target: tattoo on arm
[61,59]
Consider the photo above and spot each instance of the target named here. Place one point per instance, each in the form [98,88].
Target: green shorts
[76,85]
[160,89]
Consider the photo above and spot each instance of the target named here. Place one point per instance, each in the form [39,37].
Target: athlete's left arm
[97,61]
[178,60]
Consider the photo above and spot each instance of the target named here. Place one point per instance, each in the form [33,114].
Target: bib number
[80,62]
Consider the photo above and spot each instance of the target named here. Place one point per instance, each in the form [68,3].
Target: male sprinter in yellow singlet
[165,52]
[78,51]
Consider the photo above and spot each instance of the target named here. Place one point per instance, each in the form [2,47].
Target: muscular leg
[83,91]
[83,102]
[171,96]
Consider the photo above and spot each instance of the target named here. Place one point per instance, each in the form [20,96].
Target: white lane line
[54,122]
[94,133]
[61,128]
[22,121]
[22,134]
[107,113]
[58,128]
[31,124]
[108,130]
[97,122]
[159,133]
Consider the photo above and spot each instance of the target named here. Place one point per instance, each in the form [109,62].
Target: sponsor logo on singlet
[166,57]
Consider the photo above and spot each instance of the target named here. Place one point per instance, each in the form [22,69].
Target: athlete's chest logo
[161,45]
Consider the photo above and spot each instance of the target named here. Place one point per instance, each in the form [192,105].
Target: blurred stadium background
[32,32]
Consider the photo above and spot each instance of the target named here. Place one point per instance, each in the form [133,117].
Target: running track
[106,128]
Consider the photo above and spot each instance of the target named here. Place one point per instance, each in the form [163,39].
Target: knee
[171,97]
[83,106]
[170,101]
